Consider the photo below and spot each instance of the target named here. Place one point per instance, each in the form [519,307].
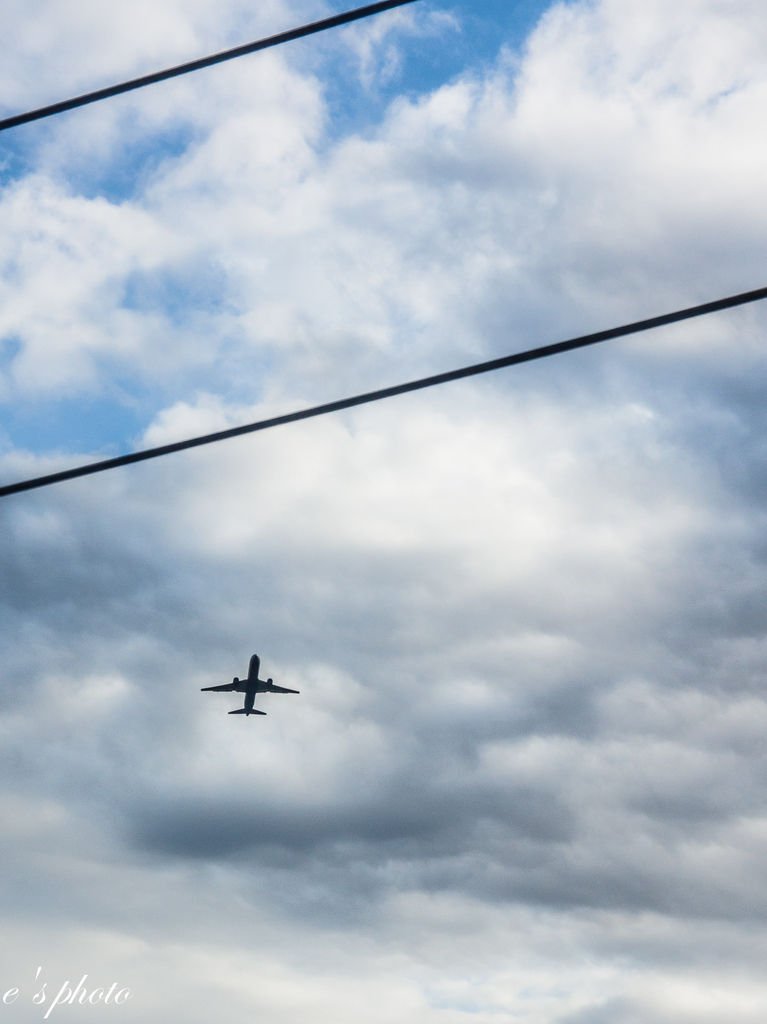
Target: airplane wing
[282,689]
[223,688]
[244,711]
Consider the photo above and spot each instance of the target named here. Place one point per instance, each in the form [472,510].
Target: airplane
[250,687]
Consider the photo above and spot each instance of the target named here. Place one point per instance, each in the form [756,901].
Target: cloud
[523,776]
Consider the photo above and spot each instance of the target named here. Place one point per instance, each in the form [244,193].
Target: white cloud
[600,171]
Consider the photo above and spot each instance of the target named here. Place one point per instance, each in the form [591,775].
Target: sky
[524,779]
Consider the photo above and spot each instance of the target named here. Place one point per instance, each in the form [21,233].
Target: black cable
[390,392]
[335,21]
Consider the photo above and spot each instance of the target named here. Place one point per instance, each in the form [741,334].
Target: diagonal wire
[398,389]
[345,18]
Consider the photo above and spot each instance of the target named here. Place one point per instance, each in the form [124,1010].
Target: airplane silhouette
[250,687]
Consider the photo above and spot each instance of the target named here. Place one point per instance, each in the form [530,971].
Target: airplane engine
[235,681]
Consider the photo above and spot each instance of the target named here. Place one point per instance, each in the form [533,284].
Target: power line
[335,21]
[398,389]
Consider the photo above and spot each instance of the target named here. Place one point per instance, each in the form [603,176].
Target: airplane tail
[242,711]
